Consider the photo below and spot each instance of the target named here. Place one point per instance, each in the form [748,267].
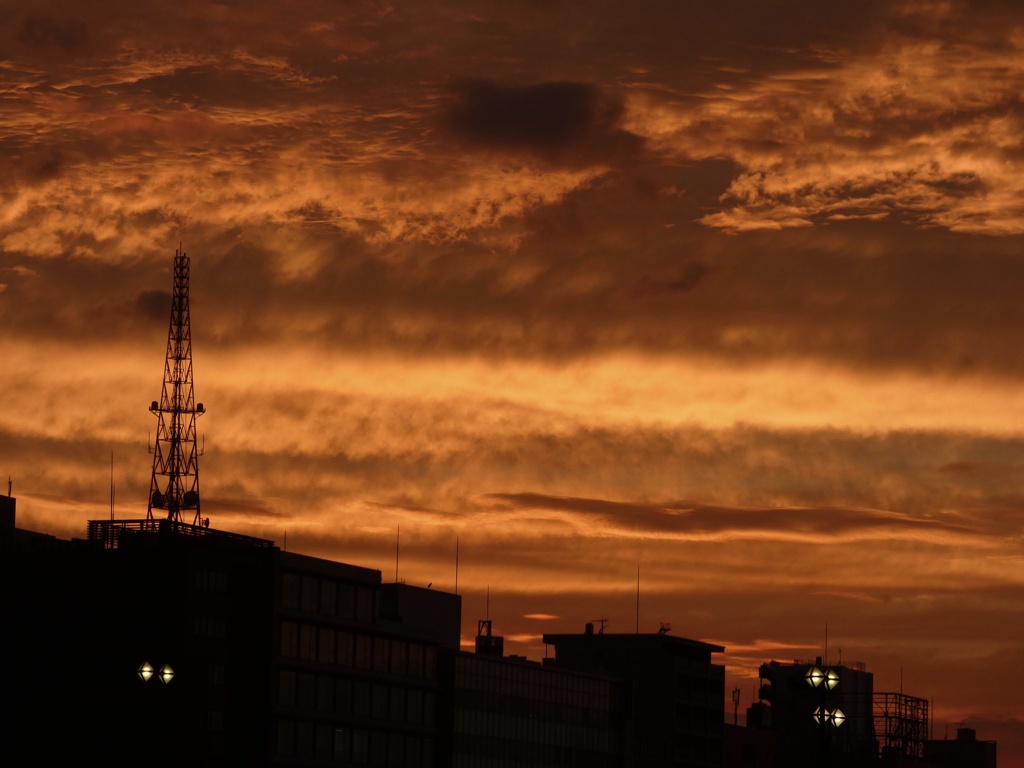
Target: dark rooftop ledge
[116,533]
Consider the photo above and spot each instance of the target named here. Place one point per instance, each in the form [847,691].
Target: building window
[328,597]
[289,639]
[380,701]
[310,594]
[381,659]
[396,708]
[344,649]
[306,690]
[290,590]
[286,688]
[342,696]
[346,601]
[307,642]
[363,654]
[325,651]
[399,654]
[360,747]
[285,737]
[304,739]
[364,604]
[325,694]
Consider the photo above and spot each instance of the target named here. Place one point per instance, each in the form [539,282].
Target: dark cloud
[681,518]
[155,305]
[562,121]
[39,30]
[692,275]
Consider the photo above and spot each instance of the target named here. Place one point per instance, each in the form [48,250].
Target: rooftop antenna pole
[456,565]
[638,598]
[175,483]
[487,614]
[111,485]
[398,537]
[826,642]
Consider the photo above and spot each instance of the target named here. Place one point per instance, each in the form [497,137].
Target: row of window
[353,746]
[566,690]
[473,751]
[536,708]
[342,696]
[328,597]
[490,725]
[210,580]
[214,627]
[477,668]
[345,648]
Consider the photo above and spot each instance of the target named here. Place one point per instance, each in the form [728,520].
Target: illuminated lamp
[820,715]
[166,673]
[145,672]
[814,677]
[831,679]
[838,718]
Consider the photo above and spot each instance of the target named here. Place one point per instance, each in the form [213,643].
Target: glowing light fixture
[824,716]
[831,679]
[145,672]
[166,673]
[814,677]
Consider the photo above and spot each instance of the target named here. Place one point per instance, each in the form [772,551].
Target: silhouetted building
[821,714]
[966,751]
[159,643]
[677,696]
[512,713]
[748,747]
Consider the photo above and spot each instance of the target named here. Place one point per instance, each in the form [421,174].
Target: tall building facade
[180,643]
[676,694]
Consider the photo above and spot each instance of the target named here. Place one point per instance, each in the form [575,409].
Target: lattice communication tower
[175,483]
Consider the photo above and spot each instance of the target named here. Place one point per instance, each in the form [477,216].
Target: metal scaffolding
[901,724]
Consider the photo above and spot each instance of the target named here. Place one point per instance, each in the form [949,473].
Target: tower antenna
[175,483]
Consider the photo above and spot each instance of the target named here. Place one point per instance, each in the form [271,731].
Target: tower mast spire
[175,483]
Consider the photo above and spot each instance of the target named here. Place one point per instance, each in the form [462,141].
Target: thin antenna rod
[456,565]
[638,598]
[487,613]
[398,537]
[111,485]
[826,642]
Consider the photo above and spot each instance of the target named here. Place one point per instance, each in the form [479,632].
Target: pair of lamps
[164,675]
[827,677]
[824,716]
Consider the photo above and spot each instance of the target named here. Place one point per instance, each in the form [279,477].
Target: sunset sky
[729,291]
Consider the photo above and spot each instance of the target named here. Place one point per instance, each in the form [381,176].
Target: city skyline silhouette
[726,294]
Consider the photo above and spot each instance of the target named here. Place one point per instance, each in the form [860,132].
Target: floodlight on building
[166,673]
[838,718]
[145,672]
[831,679]
[814,677]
